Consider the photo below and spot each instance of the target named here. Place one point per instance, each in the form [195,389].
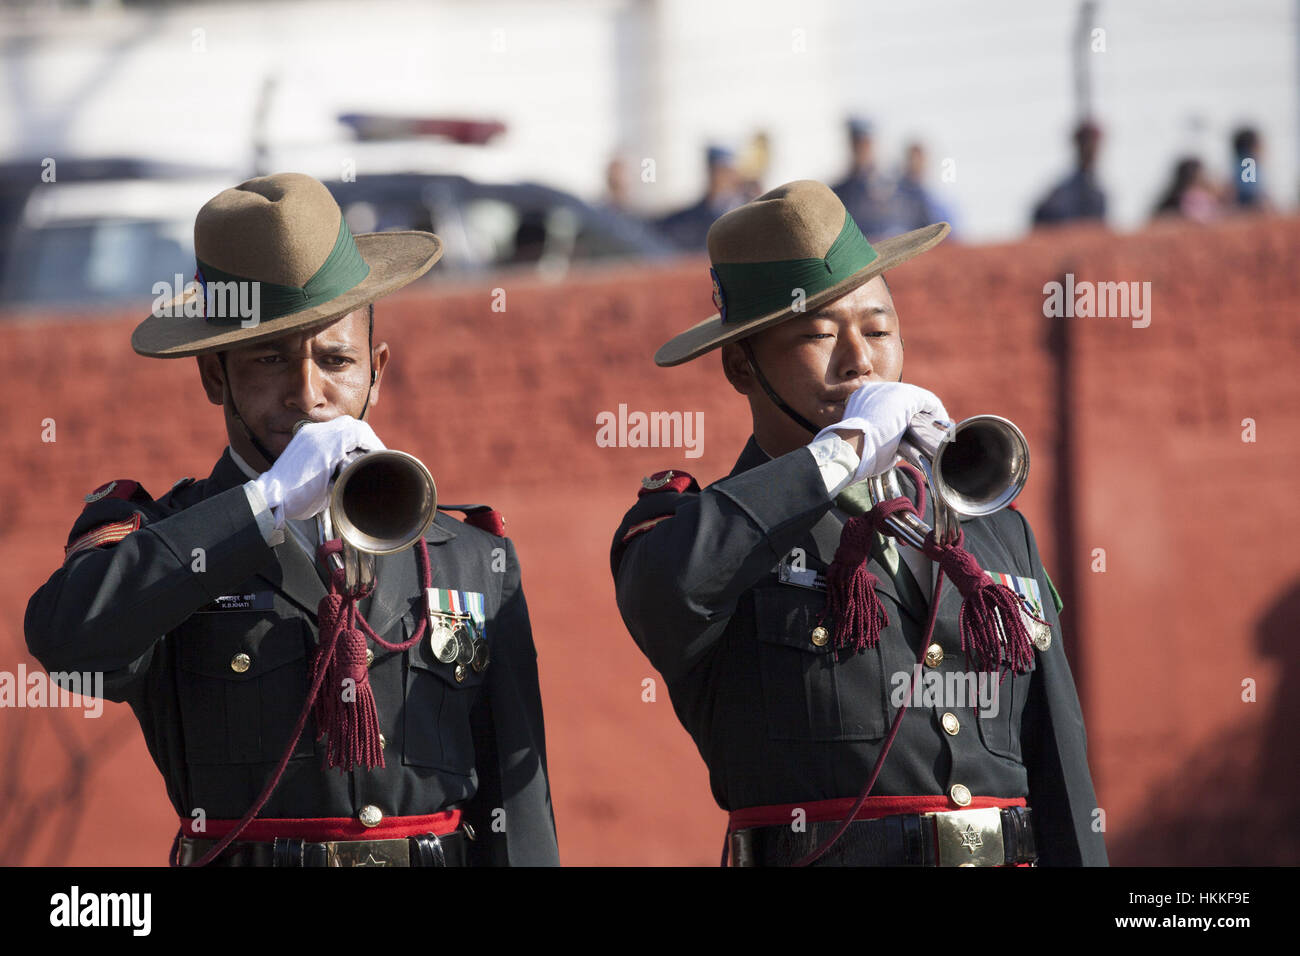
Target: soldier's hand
[297,485]
[880,413]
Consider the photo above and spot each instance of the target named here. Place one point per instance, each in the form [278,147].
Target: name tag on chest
[803,578]
[249,601]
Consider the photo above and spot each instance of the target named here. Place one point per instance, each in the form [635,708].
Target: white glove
[297,486]
[882,411]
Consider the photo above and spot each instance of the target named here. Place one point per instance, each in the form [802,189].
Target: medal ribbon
[462,605]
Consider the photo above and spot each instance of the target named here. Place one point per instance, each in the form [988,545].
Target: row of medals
[1040,634]
[452,640]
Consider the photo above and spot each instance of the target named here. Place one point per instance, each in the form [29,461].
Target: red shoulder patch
[110,533]
[123,488]
[482,517]
[489,519]
[669,480]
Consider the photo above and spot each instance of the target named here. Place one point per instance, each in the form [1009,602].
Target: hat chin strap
[771,392]
[262,450]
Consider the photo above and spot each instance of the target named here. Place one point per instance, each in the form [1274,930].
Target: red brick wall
[1137,450]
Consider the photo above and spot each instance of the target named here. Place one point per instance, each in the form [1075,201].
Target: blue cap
[720,156]
[860,127]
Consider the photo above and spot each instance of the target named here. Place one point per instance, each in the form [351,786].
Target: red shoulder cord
[352,726]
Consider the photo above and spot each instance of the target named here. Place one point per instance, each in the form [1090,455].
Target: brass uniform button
[460,673]
[951,724]
[370,815]
[370,656]
[240,663]
[933,655]
[383,742]
[959,794]
[820,636]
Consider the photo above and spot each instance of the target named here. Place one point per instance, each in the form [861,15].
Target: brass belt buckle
[969,837]
[368,853]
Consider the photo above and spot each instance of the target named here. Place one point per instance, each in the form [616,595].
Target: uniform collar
[227,474]
[751,457]
[244,466]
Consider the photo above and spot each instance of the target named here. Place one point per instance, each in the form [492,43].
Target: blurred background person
[1246,188]
[618,196]
[1078,196]
[1190,194]
[865,191]
[914,204]
[753,165]
[687,228]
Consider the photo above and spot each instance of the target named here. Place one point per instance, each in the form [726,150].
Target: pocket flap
[212,646]
[789,616]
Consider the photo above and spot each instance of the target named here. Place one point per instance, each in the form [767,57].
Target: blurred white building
[989,87]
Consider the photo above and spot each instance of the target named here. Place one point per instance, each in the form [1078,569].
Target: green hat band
[343,269]
[747,290]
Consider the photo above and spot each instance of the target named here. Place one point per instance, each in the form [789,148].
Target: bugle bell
[381,502]
[973,468]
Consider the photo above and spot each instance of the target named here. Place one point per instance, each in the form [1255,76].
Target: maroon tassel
[991,627]
[992,630]
[345,708]
[851,589]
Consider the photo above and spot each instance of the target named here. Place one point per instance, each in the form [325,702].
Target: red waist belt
[833,811]
[325,829]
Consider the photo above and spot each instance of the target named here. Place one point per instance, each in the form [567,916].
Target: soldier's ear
[213,377]
[735,365]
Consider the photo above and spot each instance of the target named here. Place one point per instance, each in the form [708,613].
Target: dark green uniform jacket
[144,611]
[777,719]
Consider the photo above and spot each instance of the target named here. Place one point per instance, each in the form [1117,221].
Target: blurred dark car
[486,228]
[109,241]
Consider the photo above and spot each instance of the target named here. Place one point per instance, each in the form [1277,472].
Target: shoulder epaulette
[481,516]
[123,488]
[670,480]
[661,505]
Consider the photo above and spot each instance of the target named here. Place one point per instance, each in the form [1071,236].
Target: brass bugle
[973,468]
